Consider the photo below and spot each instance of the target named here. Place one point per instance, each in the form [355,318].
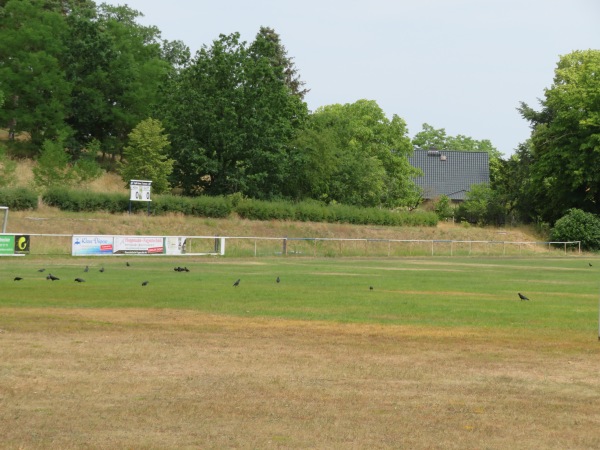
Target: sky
[461,65]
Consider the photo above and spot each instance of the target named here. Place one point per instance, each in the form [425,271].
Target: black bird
[145,283]
[522,297]
[185,269]
[590,264]
[278,279]
[80,280]
[17,279]
[52,277]
[102,269]
[41,270]
[237,283]
[370,288]
[127,264]
[86,269]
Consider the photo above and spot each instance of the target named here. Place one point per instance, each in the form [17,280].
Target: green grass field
[444,292]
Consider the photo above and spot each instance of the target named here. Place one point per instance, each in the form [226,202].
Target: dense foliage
[578,225]
[18,198]
[564,154]
[220,207]
[231,116]
[86,81]
[353,154]
[146,156]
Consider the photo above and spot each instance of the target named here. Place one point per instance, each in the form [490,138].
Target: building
[450,173]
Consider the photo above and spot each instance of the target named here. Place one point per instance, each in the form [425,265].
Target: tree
[512,185]
[117,68]
[482,206]
[145,158]
[231,116]
[565,138]
[53,165]
[360,157]
[31,74]
[268,44]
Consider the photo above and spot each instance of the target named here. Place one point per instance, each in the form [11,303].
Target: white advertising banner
[92,245]
[175,245]
[139,245]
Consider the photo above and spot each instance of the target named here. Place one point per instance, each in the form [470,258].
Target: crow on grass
[80,280]
[237,283]
[522,297]
[17,279]
[52,277]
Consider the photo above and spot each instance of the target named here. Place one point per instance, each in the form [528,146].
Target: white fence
[254,246]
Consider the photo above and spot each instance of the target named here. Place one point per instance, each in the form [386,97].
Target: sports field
[341,353]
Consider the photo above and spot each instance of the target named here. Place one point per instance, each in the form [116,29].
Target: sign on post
[140,190]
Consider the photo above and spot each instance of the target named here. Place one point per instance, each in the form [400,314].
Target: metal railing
[256,246]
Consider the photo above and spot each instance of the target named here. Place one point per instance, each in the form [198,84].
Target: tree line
[83,80]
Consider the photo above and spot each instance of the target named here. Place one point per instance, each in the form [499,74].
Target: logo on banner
[22,243]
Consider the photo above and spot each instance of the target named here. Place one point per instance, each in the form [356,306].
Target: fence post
[284,249]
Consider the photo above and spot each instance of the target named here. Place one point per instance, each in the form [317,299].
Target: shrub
[578,225]
[443,207]
[18,199]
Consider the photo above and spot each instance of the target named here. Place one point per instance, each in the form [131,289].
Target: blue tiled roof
[450,173]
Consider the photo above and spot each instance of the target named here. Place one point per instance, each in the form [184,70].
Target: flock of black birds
[185,269]
[102,270]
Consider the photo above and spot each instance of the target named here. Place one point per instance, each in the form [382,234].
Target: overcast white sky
[461,65]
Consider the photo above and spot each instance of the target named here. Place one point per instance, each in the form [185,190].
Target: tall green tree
[565,139]
[354,154]
[122,81]
[32,38]
[231,115]
[268,44]
[145,156]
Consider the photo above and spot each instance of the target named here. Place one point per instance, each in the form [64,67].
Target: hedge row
[315,212]
[18,199]
[220,207]
[72,200]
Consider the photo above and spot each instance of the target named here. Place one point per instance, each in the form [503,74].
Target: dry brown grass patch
[184,379]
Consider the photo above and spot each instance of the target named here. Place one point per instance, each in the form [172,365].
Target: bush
[578,225]
[443,207]
[18,199]
[221,207]
[77,201]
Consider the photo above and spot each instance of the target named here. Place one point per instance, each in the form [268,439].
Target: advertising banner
[92,245]
[7,245]
[139,245]
[175,245]
[22,244]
